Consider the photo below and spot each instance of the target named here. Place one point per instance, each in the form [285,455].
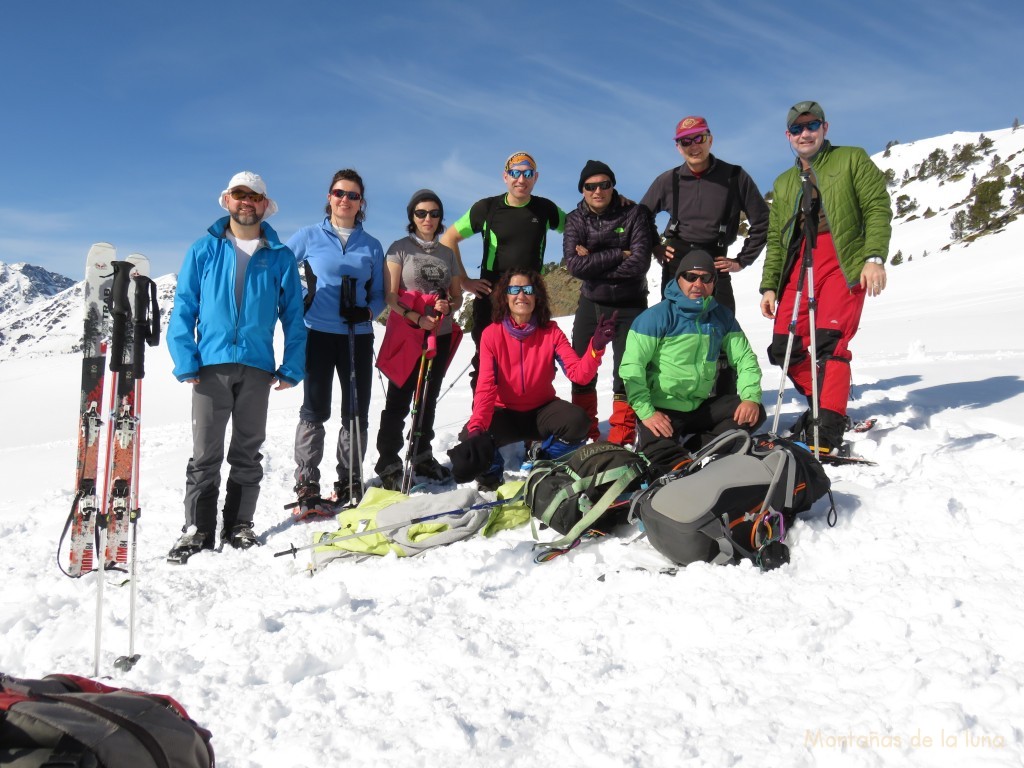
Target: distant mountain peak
[41,311]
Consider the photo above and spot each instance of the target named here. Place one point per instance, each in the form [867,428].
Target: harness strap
[730,201]
[599,508]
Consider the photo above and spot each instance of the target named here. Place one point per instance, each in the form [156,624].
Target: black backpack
[734,500]
[577,492]
[73,722]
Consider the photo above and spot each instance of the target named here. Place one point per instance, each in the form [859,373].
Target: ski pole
[455,381]
[789,347]
[804,279]
[810,236]
[422,387]
[293,550]
[147,331]
[120,309]
[383,389]
[126,662]
[407,472]
[354,441]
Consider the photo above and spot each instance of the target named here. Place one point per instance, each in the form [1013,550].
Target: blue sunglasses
[515,290]
[797,128]
[515,173]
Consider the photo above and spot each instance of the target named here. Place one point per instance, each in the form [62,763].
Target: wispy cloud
[33,221]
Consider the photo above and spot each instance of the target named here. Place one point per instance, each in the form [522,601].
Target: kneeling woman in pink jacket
[515,394]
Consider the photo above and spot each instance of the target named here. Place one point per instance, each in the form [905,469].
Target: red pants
[837,317]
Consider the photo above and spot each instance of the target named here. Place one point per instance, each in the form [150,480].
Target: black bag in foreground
[73,722]
[733,501]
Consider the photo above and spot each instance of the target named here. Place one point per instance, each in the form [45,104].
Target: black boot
[232,501]
[831,428]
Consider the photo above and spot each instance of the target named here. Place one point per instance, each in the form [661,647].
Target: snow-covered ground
[888,640]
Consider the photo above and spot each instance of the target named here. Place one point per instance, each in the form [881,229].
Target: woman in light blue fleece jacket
[343,268]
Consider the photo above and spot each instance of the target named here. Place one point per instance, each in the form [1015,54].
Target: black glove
[604,332]
[472,457]
[353,315]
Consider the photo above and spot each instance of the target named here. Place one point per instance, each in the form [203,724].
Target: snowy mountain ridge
[49,323]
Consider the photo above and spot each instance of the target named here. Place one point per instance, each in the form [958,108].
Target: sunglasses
[515,290]
[419,213]
[693,277]
[252,197]
[687,141]
[515,173]
[340,193]
[597,185]
[797,128]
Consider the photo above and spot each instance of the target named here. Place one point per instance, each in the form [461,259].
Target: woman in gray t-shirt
[417,266]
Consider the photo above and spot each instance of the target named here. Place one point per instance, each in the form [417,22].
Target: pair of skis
[121,317]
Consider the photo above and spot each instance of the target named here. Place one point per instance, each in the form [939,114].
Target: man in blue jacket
[236,282]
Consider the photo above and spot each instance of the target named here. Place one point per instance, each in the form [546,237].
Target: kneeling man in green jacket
[670,365]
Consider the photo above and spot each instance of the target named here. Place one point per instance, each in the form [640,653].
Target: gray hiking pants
[309,451]
[329,358]
[239,394]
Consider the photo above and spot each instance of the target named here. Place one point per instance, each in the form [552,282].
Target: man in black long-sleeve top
[704,198]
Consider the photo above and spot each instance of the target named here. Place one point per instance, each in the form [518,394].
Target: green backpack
[579,491]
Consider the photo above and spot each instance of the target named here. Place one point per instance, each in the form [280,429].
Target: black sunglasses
[797,128]
[340,193]
[591,186]
[419,213]
[693,277]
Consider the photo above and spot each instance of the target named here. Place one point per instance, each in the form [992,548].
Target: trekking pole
[422,387]
[407,472]
[354,442]
[147,332]
[810,240]
[455,381]
[417,420]
[119,311]
[789,347]
[383,388]
[806,278]
[126,662]
[293,550]
[102,518]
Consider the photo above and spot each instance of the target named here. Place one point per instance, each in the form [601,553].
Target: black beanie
[696,259]
[593,168]
[419,197]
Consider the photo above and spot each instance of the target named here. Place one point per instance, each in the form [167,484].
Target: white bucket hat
[254,182]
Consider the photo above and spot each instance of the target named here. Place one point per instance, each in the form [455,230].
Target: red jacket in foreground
[519,375]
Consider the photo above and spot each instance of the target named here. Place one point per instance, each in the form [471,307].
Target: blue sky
[122,121]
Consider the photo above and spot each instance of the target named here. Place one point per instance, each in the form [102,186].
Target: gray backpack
[734,500]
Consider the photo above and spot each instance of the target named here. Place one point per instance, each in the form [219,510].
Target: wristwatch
[875,260]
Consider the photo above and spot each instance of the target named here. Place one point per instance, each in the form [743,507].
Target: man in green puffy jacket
[849,228]
[671,361]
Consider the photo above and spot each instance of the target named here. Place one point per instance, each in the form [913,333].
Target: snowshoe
[342,497]
[432,470]
[392,481]
[191,542]
[241,536]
